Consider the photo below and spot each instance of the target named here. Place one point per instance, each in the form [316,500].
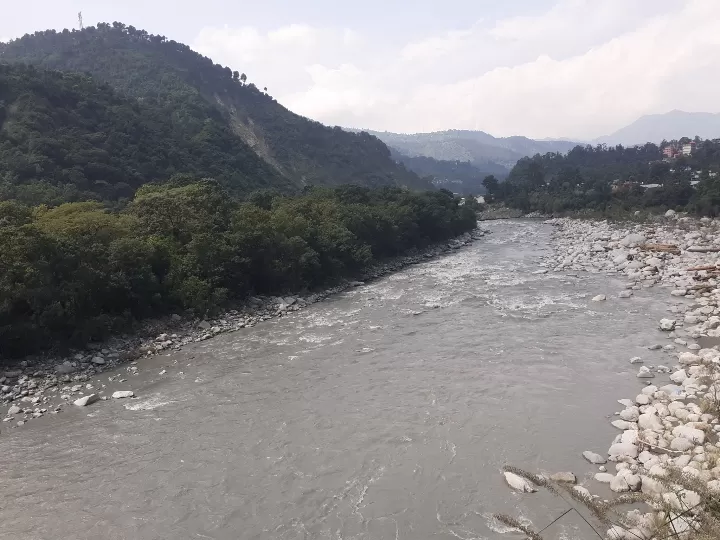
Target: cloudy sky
[541,68]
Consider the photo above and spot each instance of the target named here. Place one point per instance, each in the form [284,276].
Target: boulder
[642,399]
[616,532]
[636,360]
[645,373]
[14,410]
[625,294]
[519,483]
[682,499]
[623,450]
[679,376]
[688,358]
[670,213]
[594,458]
[619,485]
[583,492]
[631,414]
[98,360]
[692,434]
[622,424]
[604,477]
[634,481]
[667,324]
[681,444]
[651,422]
[121,394]
[599,298]
[566,477]
[678,292]
[633,240]
[86,400]
[66,368]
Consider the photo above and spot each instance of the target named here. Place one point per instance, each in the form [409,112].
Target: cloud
[581,69]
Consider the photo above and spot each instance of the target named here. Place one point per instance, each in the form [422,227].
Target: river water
[385,412]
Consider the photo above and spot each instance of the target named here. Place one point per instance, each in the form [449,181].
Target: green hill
[63,137]
[190,88]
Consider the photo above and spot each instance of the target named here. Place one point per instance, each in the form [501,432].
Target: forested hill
[65,138]
[611,179]
[457,176]
[171,76]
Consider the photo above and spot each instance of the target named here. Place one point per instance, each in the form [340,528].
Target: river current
[385,412]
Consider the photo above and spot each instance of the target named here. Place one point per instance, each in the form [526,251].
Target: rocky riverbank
[667,447]
[38,386]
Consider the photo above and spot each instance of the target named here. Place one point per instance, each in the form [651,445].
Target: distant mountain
[672,125]
[210,104]
[456,176]
[479,148]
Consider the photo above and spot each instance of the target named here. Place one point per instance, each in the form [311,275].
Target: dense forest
[457,176]
[64,138]
[192,90]
[610,179]
[79,272]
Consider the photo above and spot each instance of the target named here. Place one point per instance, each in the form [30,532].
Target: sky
[576,69]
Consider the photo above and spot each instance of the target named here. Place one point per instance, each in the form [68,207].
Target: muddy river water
[385,412]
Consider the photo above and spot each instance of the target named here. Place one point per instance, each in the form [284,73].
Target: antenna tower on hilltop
[80,24]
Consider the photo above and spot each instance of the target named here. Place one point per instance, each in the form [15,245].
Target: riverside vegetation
[79,272]
[614,180]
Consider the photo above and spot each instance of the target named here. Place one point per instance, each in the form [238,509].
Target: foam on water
[149,404]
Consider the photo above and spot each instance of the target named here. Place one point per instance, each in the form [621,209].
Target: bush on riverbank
[78,272]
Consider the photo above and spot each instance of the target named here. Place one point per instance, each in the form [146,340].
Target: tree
[236,76]
[243,78]
[491,187]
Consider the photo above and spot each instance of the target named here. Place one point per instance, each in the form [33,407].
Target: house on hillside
[688,149]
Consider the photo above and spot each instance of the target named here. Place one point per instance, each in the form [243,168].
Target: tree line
[79,272]
[614,179]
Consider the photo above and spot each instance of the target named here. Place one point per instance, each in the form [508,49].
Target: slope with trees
[173,77]
[63,138]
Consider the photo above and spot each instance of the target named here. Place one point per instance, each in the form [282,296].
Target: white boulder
[519,483]
[667,324]
[592,457]
[86,400]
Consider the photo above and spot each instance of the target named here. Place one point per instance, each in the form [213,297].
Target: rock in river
[667,324]
[599,298]
[567,477]
[120,394]
[518,482]
[594,458]
[86,400]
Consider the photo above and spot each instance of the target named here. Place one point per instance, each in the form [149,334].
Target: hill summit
[205,101]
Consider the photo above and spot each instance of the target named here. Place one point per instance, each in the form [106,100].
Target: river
[385,412]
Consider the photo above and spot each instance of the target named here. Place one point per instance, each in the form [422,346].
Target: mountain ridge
[665,126]
[477,147]
[151,67]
